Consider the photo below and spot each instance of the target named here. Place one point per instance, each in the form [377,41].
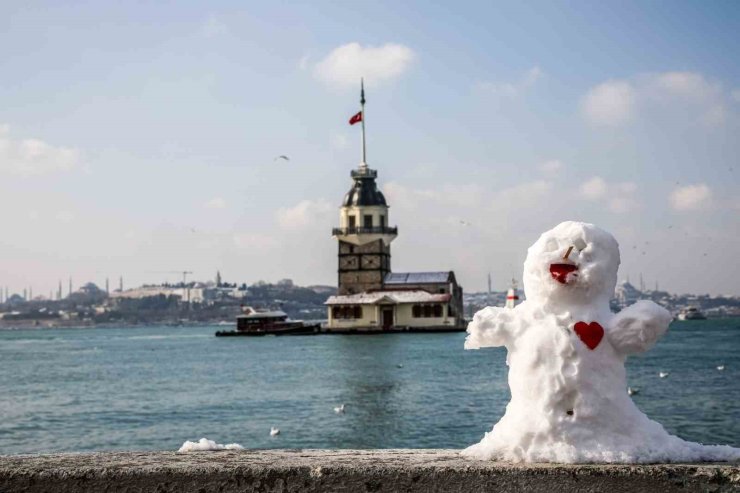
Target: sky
[138,139]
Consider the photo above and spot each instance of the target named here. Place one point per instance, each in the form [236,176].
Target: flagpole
[362,108]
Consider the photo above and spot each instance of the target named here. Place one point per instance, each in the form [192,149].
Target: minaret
[218,278]
[511,295]
[363,234]
[488,298]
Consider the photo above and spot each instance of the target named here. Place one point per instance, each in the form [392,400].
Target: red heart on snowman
[591,334]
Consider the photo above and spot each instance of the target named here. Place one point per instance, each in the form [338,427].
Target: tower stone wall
[362,268]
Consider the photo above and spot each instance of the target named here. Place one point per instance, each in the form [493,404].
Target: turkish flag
[356,118]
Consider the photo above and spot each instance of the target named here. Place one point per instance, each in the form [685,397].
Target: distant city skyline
[137,139]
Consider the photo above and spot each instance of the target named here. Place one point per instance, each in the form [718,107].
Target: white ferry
[691,313]
[263,322]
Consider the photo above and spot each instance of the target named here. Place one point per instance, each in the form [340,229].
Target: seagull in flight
[286,158]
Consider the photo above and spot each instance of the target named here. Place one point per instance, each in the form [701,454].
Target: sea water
[152,388]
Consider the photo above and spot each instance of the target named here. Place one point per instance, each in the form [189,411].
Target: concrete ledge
[343,470]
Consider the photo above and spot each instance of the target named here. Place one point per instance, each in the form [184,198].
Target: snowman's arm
[638,327]
[491,326]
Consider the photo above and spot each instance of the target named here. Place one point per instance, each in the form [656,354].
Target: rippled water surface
[153,388]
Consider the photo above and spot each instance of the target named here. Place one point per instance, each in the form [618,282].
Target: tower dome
[364,191]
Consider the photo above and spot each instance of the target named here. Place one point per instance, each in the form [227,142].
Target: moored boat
[268,322]
[691,313]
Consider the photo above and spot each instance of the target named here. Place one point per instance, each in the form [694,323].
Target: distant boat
[663,374]
[274,431]
[265,322]
[631,391]
[691,313]
[721,367]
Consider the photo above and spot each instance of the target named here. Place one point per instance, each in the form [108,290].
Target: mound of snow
[206,444]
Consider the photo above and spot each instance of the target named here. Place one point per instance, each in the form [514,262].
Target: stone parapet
[343,470]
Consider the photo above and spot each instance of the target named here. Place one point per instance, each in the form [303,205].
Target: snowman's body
[566,354]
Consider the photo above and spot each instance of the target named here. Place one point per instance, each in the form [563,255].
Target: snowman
[566,354]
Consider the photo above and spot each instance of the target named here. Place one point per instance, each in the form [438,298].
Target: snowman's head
[572,263]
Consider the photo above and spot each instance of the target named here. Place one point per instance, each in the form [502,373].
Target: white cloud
[620,197]
[213,27]
[552,166]
[305,214]
[593,189]
[512,89]
[610,103]
[690,197]
[685,84]
[344,65]
[680,96]
[215,203]
[33,157]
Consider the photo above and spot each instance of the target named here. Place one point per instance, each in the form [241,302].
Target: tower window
[351,220]
[382,221]
[367,221]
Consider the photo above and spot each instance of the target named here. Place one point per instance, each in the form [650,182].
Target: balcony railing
[364,173]
[379,230]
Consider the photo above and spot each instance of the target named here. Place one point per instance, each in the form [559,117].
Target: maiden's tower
[370,296]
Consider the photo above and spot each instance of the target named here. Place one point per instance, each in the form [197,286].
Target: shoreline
[231,326]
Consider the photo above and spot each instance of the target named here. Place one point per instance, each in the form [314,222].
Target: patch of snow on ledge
[206,444]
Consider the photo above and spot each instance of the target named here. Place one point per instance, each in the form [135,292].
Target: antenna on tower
[363,164]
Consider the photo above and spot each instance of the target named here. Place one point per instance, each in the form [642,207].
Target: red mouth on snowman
[560,272]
